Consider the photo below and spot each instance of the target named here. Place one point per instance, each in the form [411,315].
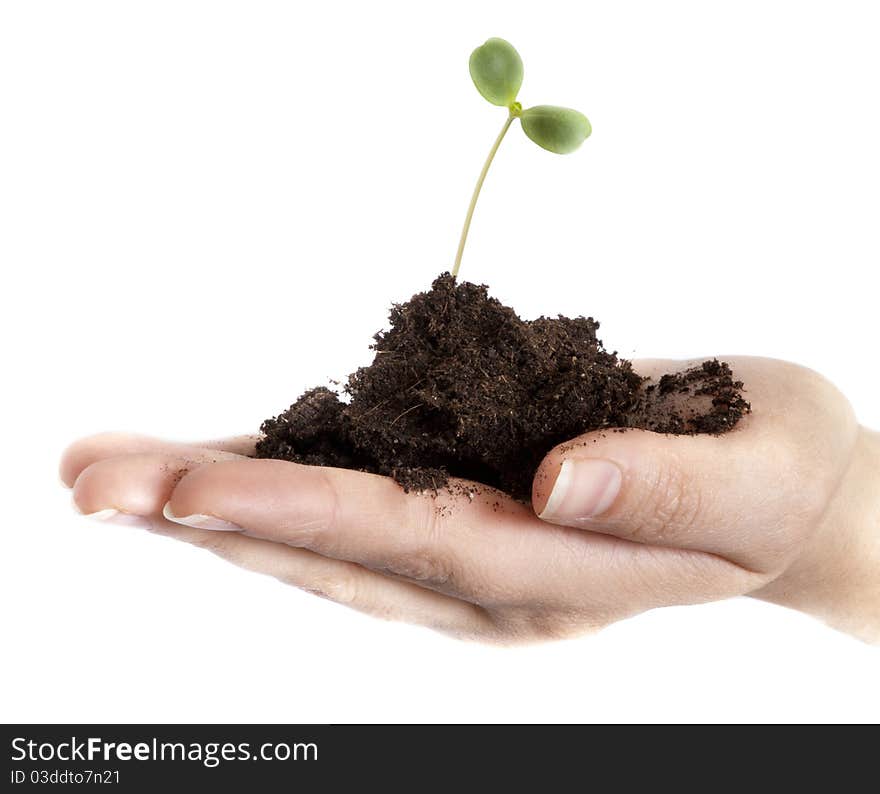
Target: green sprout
[497,72]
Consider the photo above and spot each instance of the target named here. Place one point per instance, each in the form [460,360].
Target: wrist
[837,576]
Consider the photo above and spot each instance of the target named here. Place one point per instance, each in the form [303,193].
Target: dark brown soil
[460,386]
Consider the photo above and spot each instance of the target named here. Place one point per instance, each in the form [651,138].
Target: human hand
[784,507]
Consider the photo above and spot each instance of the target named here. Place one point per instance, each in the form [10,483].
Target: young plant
[497,72]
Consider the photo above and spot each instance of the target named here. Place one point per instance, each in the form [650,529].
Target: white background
[206,207]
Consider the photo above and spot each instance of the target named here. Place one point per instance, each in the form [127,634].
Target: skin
[786,508]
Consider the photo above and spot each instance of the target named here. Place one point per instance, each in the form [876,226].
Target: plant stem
[470,212]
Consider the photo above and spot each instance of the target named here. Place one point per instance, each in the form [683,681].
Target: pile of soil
[461,386]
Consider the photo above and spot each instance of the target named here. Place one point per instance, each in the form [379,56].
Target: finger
[338,513]
[345,583]
[487,549]
[88,450]
[655,368]
[706,492]
[139,485]
[244,445]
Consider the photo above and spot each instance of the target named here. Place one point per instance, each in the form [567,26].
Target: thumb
[707,493]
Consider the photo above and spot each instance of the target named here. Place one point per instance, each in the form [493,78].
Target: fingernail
[200,521]
[584,488]
[117,517]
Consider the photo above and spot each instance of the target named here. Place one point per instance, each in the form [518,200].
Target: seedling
[461,387]
[497,72]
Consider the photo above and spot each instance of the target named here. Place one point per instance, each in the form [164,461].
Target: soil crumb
[460,386]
